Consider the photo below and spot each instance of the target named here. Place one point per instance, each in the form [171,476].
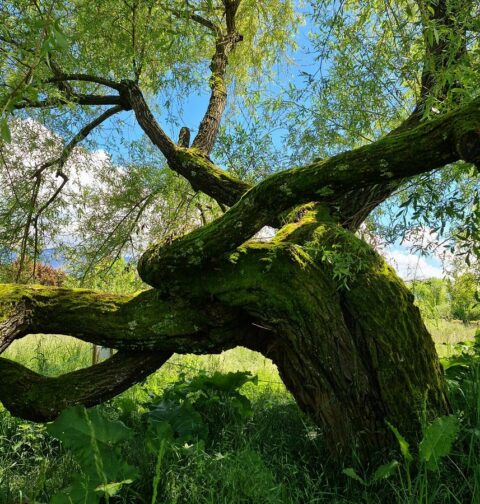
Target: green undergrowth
[202,430]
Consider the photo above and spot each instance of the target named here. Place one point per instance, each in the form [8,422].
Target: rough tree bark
[350,345]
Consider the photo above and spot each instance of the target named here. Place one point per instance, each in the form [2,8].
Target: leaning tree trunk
[348,341]
[342,328]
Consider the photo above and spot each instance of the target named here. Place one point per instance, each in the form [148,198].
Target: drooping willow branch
[37,175]
[79,137]
[442,52]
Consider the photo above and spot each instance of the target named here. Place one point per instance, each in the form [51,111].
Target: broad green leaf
[112,489]
[437,441]
[402,442]
[351,473]
[157,433]
[385,470]
[224,381]
[76,422]
[186,423]
[80,491]
[94,442]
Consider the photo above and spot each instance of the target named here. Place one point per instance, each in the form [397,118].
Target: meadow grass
[275,456]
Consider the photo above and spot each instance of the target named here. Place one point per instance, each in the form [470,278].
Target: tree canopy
[355,71]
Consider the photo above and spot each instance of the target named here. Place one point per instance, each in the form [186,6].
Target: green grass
[276,456]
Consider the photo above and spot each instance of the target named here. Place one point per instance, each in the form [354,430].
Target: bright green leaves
[269,30]
[56,39]
[351,473]
[126,40]
[188,405]
[180,419]
[75,425]
[436,444]
[162,44]
[438,438]
[385,471]
[95,444]
[185,423]
[5,134]
[382,472]
[437,441]
[29,40]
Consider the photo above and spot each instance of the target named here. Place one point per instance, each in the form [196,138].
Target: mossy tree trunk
[351,349]
[342,328]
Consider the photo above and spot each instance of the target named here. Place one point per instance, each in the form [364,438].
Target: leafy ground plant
[178,418]
[437,443]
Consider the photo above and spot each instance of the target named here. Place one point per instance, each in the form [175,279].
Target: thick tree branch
[137,323]
[145,328]
[224,45]
[427,147]
[147,121]
[38,398]
[205,176]
[195,166]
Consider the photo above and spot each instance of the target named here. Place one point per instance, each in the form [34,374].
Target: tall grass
[275,456]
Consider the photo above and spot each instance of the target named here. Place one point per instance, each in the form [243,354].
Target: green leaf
[75,423]
[226,382]
[94,442]
[157,433]
[61,41]
[112,489]
[402,442]
[80,491]
[437,441]
[385,470]
[186,423]
[351,473]
[5,134]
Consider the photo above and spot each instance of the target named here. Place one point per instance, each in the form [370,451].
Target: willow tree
[340,325]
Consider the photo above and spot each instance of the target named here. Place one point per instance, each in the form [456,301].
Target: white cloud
[412,267]
[265,234]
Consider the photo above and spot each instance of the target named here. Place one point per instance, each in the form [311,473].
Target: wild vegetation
[250,161]
[261,450]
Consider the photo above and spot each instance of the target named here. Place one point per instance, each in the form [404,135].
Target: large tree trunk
[342,328]
[348,341]
[352,349]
